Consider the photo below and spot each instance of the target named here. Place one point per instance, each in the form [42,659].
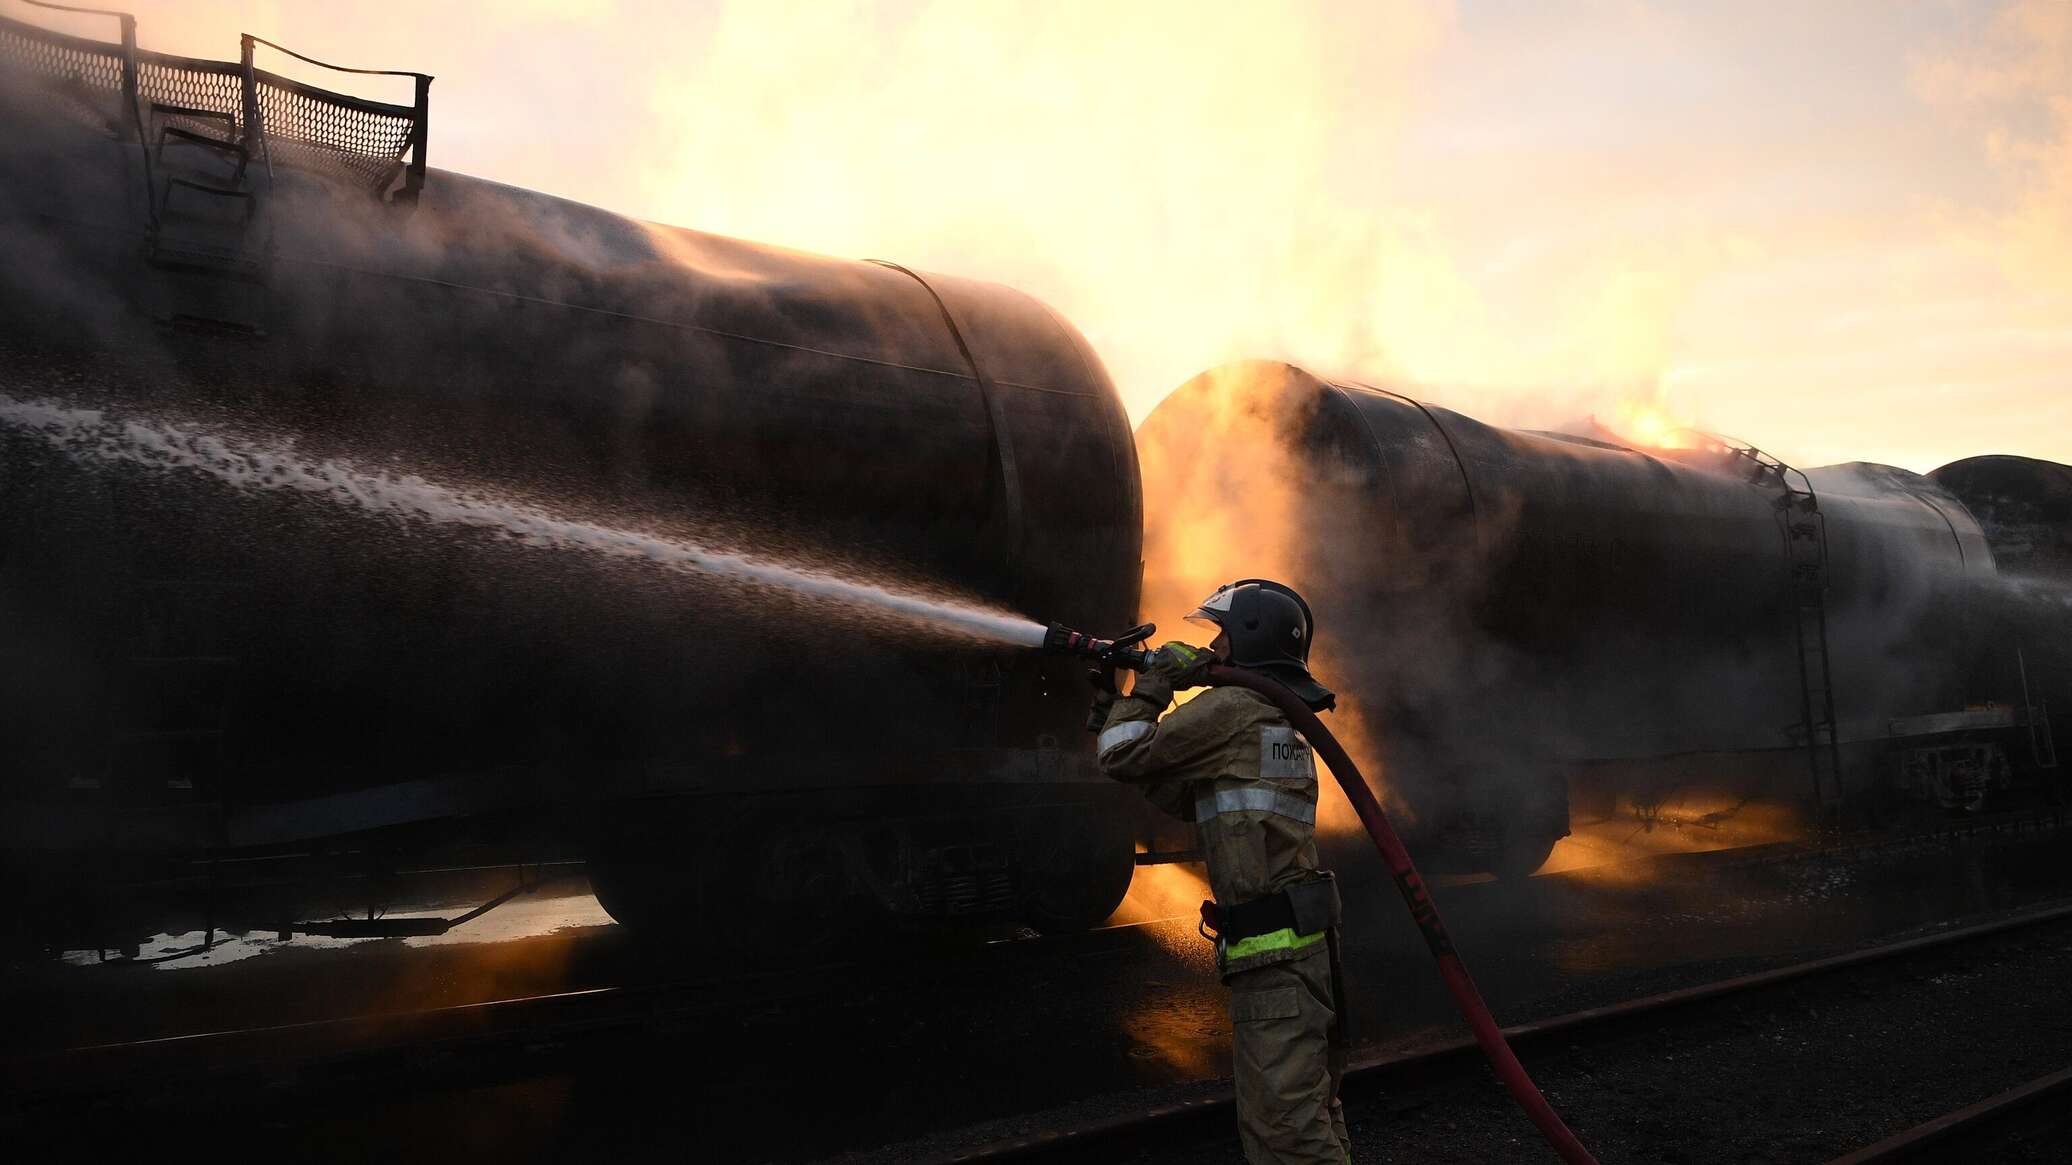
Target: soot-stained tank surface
[321,525]
[1515,619]
[2025,507]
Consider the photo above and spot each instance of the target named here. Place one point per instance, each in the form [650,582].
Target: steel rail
[1928,1141]
[1197,1120]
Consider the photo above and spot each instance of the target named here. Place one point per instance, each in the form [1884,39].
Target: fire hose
[1125,652]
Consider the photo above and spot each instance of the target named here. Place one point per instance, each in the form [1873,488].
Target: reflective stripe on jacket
[1229,762]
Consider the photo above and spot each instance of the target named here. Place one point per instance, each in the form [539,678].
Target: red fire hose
[1422,910]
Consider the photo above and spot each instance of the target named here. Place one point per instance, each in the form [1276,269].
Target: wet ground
[1801,1072]
[907,1036]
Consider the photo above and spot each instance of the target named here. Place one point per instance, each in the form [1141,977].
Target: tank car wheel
[649,898]
[1517,858]
[1075,883]
[794,892]
[804,888]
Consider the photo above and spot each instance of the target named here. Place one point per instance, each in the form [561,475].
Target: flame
[1651,422]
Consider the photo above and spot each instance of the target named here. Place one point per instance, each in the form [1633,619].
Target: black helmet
[1270,628]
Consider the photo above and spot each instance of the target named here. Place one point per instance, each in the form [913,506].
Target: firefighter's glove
[1174,668]
[1103,681]
[1097,716]
[1182,665]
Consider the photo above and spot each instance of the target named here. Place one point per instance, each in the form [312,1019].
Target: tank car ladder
[207,227]
[1805,538]
[203,205]
[1804,531]
[171,720]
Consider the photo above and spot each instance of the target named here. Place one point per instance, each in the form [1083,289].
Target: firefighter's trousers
[1288,1063]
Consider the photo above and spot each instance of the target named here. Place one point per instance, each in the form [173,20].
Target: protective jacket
[1229,762]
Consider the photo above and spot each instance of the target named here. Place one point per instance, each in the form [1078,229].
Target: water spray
[94,438]
[1125,652]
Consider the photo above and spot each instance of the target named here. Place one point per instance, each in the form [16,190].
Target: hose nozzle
[1123,651]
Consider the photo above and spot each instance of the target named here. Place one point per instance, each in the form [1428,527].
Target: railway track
[512,1038]
[2034,1112]
[1155,1133]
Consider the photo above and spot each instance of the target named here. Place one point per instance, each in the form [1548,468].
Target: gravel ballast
[1800,1072]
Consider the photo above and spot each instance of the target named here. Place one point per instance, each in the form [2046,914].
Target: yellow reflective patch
[1284,939]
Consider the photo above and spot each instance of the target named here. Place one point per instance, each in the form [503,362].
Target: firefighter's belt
[1305,908]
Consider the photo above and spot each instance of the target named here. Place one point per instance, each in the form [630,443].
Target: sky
[1840,231]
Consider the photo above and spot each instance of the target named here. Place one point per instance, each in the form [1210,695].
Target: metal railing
[82,72]
[322,129]
[378,146]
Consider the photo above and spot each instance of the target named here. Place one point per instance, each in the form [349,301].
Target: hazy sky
[1841,230]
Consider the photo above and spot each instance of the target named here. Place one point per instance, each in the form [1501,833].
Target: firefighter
[1229,761]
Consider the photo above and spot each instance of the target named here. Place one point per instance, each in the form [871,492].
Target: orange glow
[1604,847]
[1650,423]
[504,954]
[1172,896]
[1222,519]
[1164,891]
[1163,1029]
[1219,518]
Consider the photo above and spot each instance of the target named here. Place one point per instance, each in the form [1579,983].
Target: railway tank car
[1521,620]
[220,279]
[2024,505]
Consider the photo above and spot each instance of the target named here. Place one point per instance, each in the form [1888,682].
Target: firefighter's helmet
[1269,628]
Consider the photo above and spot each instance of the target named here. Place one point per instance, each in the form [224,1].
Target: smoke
[1223,501]
[91,436]
[1588,620]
